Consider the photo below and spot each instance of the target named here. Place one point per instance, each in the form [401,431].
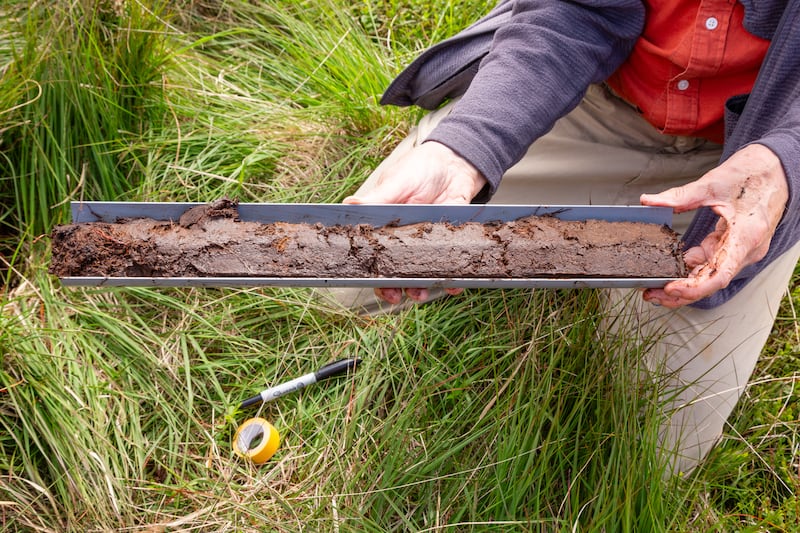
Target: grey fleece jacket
[530,62]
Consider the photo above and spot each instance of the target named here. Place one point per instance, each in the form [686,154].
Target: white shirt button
[683,85]
[711,23]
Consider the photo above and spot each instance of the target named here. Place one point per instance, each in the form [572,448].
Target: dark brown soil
[210,241]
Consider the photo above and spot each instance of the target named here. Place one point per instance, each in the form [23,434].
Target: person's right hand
[431,173]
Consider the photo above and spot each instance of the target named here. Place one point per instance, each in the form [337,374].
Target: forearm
[770,116]
[785,143]
[539,68]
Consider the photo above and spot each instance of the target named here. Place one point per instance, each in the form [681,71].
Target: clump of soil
[211,241]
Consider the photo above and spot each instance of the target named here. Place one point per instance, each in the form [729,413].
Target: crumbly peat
[213,242]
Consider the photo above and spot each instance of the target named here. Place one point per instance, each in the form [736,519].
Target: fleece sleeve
[540,65]
[770,115]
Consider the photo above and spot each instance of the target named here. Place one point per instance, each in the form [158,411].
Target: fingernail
[417,295]
[651,299]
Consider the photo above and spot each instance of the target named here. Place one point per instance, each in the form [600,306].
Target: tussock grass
[84,76]
[490,411]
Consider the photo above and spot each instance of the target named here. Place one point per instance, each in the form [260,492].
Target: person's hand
[749,192]
[431,173]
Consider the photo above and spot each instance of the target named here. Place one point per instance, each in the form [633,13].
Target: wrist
[768,165]
[462,169]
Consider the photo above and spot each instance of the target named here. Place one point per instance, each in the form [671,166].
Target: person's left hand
[749,192]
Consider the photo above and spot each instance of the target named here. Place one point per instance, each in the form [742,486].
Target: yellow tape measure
[257,440]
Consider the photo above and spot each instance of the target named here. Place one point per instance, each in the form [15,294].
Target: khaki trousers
[603,152]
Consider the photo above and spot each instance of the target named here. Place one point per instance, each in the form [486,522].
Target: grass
[490,411]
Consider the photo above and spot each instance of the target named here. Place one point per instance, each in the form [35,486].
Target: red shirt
[691,57]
